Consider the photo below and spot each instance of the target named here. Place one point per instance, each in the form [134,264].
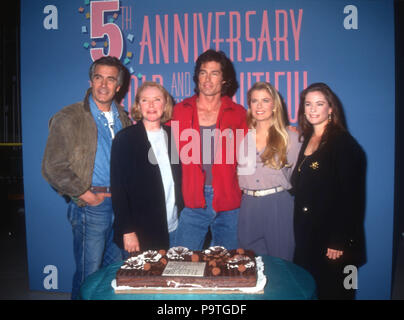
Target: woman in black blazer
[329,188]
[146,175]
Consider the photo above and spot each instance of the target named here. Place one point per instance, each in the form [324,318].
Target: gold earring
[329,117]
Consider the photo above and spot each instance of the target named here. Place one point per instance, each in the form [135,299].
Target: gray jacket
[69,156]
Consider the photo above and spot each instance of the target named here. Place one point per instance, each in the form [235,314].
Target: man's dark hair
[112,62]
[230,84]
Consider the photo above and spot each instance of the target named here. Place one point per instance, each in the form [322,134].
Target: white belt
[261,193]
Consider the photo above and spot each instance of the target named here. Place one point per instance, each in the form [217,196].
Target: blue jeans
[172,238]
[194,224]
[93,245]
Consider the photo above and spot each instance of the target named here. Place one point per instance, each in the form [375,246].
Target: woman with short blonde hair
[136,113]
[146,183]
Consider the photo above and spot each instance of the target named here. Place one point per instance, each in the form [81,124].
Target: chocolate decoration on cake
[215,267]
[216,252]
[216,271]
[240,251]
[241,268]
[178,253]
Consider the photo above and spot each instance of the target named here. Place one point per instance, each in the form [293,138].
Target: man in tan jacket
[77,162]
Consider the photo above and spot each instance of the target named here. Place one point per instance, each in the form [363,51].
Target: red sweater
[232,116]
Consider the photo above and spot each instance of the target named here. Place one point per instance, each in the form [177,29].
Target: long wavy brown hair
[274,155]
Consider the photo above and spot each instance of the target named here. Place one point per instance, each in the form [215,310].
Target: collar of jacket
[168,140]
[87,102]
[227,102]
[227,106]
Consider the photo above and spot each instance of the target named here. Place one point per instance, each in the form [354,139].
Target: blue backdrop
[347,44]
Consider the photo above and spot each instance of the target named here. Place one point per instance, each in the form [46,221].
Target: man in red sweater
[209,126]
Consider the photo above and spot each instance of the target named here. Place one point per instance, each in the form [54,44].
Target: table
[285,281]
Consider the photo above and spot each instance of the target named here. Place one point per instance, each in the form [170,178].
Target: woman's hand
[131,242]
[334,254]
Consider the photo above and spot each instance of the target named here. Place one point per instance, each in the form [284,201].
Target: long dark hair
[337,122]
[230,85]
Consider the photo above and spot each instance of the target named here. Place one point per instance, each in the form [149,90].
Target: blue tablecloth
[285,280]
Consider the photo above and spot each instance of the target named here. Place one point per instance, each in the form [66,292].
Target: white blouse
[159,146]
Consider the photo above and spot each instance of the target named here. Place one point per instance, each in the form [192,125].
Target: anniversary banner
[348,44]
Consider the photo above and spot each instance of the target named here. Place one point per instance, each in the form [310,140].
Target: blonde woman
[266,213]
[145,183]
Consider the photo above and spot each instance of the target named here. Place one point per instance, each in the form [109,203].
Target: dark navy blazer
[137,189]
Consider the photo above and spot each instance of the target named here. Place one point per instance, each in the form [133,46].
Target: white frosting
[235,266]
[217,251]
[140,260]
[237,260]
[178,253]
[151,256]
[178,284]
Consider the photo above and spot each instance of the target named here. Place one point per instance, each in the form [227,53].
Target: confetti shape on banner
[115,15]
[111,20]
[86,45]
[106,44]
[129,54]
[131,70]
[81,9]
[130,37]
[139,75]
[83,29]
[126,61]
[86,2]
[88,15]
[93,43]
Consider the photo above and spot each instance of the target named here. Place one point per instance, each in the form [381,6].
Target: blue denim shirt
[101,172]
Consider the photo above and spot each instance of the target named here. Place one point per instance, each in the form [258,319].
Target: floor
[14,271]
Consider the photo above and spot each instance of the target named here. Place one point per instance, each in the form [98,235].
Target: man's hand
[94,199]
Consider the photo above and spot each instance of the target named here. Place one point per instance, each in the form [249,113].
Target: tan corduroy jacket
[69,156]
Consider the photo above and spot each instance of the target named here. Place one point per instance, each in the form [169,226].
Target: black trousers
[332,283]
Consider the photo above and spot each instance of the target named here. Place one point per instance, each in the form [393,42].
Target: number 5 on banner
[98,29]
